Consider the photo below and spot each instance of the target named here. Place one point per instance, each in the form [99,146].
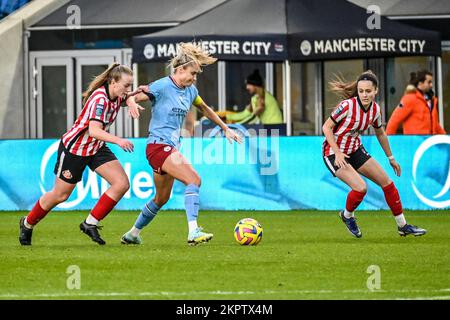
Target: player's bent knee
[62,196]
[361,188]
[123,185]
[194,179]
[126,185]
[385,183]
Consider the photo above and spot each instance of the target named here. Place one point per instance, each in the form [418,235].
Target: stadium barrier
[264,173]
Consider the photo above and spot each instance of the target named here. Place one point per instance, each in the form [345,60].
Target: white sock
[400,219]
[348,214]
[135,231]
[91,220]
[27,225]
[192,225]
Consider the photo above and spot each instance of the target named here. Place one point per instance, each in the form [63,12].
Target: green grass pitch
[303,255]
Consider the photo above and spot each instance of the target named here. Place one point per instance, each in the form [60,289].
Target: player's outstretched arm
[384,142]
[138,95]
[96,131]
[211,115]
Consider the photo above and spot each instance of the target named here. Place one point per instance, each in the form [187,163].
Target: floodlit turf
[303,255]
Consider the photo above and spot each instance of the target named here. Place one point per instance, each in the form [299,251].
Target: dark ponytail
[347,90]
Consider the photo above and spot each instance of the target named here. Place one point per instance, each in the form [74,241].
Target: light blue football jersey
[170,106]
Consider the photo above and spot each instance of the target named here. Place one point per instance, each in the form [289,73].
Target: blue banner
[263,173]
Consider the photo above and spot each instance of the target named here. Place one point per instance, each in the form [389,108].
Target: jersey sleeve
[98,109]
[340,112]
[196,99]
[156,89]
[377,122]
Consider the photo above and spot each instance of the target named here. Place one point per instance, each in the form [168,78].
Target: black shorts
[356,160]
[70,167]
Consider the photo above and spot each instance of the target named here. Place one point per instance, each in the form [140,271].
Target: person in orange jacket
[418,109]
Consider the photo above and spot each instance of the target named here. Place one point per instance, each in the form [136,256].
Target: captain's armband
[198,101]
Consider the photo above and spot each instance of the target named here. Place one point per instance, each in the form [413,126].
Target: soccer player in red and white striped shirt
[346,158]
[85,145]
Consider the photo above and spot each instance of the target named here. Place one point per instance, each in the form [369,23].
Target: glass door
[52,97]
[87,68]
[57,81]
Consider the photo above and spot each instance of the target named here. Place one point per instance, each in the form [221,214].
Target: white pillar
[222,83]
[287,97]
[318,100]
[269,77]
[26,78]
[440,92]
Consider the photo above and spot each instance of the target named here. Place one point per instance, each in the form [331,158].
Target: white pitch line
[76,293]
[427,298]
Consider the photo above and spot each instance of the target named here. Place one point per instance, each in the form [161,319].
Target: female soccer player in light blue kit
[172,98]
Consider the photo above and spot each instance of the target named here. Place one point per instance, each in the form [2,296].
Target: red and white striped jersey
[97,108]
[351,120]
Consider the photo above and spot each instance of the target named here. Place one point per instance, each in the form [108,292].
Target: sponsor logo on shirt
[179,111]
[99,109]
[339,109]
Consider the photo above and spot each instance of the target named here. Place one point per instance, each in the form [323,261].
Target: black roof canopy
[405,8]
[328,29]
[276,30]
[234,30]
[107,13]
[430,15]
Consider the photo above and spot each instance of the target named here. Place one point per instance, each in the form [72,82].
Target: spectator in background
[263,105]
[417,110]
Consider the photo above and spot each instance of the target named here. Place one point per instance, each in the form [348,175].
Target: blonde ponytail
[114,71]
[190,52]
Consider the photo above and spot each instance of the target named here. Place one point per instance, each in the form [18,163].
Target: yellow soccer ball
[248,232]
